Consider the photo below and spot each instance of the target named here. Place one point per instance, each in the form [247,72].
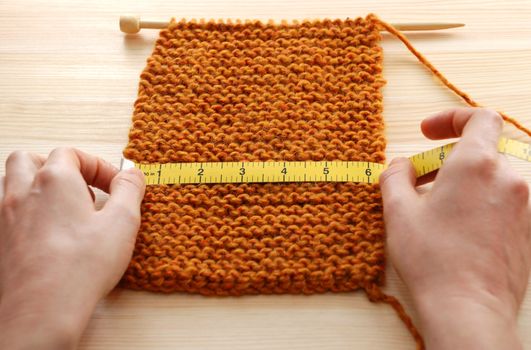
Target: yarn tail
[375,294]
[373,291]
[389,28]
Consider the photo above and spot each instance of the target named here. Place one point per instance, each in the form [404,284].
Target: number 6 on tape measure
[300,171]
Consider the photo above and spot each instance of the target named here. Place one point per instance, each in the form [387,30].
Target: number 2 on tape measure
[300,171]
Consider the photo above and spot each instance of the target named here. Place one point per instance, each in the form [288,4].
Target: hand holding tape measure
[300,171]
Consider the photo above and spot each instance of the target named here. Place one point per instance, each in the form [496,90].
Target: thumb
[126,193]
[397,183]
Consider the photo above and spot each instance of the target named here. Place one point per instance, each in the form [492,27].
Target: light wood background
[69,77]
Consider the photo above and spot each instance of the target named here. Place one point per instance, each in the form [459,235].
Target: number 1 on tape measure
[300,171]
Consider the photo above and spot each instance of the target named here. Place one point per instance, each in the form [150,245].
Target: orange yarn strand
[375,294]
[388,27]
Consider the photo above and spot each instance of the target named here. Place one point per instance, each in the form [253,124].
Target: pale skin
[462,247]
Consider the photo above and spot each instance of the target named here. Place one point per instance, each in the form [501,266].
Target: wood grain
[69,77]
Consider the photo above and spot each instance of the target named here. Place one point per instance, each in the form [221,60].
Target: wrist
[35,331]
[466,320]
[30,323]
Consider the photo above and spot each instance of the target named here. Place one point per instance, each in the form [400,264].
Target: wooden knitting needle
[131,24]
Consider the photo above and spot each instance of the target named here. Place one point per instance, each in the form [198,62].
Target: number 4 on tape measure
[300,171]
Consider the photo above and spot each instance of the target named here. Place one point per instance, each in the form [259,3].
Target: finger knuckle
[130,179]
[48,175]
[16,156]
[482,163]
[519,189]
[127,213]
[11,201]
[63,150]
[392,202]
[490,116]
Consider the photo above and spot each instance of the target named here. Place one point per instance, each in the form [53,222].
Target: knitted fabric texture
[233,91]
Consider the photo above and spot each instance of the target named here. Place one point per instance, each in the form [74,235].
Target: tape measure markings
[300,171]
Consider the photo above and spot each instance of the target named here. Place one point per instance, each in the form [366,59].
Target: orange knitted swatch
[233,91]
[216,91]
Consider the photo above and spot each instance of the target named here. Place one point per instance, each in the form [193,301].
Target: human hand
[58,254]
[463,248]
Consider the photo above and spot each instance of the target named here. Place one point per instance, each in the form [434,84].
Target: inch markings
[300,171]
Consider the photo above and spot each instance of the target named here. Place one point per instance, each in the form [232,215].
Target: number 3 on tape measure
[300,171]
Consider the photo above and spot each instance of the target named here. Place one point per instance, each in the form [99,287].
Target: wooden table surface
[69,77]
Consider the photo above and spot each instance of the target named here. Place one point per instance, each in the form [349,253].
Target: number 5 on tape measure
[300,171]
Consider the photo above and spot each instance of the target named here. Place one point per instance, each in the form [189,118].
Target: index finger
[477,127]
[95,171]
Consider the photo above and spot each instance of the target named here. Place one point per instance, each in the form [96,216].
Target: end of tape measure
[299,171]
[126,164]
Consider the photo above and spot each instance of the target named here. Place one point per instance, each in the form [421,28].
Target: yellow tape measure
[300,171]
